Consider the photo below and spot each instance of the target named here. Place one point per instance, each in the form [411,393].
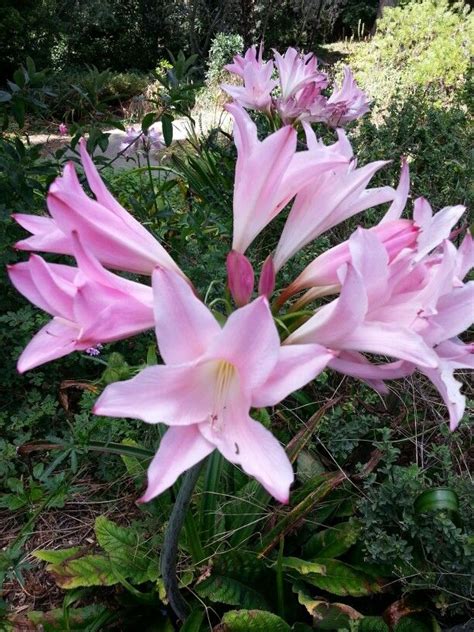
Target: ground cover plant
[267,349]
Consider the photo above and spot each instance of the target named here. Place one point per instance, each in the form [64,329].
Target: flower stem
[169,552]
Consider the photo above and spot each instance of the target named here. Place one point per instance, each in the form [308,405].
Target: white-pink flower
[212,377]
[89,305]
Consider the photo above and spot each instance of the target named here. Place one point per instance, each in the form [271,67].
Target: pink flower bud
[266,283]
[240,277]
[63,129]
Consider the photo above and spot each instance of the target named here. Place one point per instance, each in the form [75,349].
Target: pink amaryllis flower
[296,71]
[269,173]
[108,231]
[421,235]
[89,305]
[376,308]
[239,63]
[258,84]
[63,129]
[212,376]
[346,104]
[329,198]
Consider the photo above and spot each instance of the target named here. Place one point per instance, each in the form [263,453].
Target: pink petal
[297,365]
[54,340]
[450,390]
[335,321]
[185,327]
[250,342]
[247,443]
[46,236]
[433,230]
[392,340]
[370,259]
[175,395]
[180,448]
[455,311]
[401,195]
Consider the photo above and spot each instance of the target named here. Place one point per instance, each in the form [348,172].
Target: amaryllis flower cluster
[296,94]
[389,301]
[137,141]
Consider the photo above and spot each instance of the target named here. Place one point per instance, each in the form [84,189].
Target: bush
[223,48]
[425,44]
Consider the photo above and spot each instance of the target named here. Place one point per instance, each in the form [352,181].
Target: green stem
[152,184]
[169,553]
[209,500]
[279,580]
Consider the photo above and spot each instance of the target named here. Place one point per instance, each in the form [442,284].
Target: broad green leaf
[148,121]
[438,499]
[126,551]
[5,96]
[374,624]
[253,621]
[233,579]
[303,567]
[73,619]
[87,570]
[59,555]
[326,615]
[167,127]
[332,542]
[221,589]
[341,579]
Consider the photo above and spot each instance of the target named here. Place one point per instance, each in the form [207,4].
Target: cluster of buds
[297,93]
[393,291]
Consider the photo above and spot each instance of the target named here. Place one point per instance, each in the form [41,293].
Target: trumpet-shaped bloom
[137,141]
[345,104]
[89,305]
[108,231]
[330,198]
[296,71]
[269,173]
[240,277]
[212,377]
[377,307]
[239,63]
[257,88]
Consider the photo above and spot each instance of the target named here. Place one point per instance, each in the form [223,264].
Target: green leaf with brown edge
[87,570]
[74,619]
[252,621]
[343,580]
[334,541]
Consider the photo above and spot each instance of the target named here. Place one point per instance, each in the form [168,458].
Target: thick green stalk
[169,552]
[210,495]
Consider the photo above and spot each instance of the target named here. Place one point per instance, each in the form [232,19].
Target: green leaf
[148,121]
[232,580]
[221,589]
[342,579]
[303,567]
[438,499]
[374,624]
[126,551]
[87,570]
[87,618]
[167,128]
[59,555]
[332,542]
[5,96]
[135,467]
[253,621]
[194,622]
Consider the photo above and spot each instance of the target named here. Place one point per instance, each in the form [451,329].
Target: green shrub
[424,44]
[223,48]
